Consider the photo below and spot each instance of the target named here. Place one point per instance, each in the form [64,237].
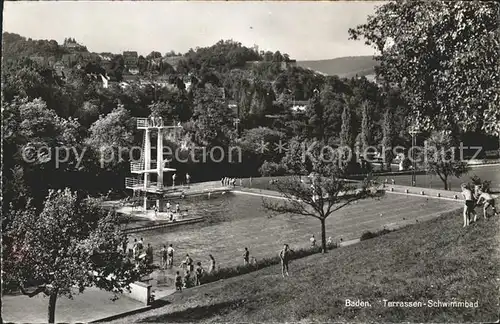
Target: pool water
[235,221]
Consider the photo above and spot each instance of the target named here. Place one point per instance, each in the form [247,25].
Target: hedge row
[229,272]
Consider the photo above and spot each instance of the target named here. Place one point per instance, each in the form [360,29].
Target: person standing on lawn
[170,256]
[189,263]
[469,204]
[285,258]
[149,254]
[212,264]
[313,241]
[246,257]
[164,256]
[178,281]
[199,273]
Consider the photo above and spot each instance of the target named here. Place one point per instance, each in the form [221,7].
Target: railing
[142,122]
[153,122]
[138,183]
[136,166]
[139,166]
[133,182]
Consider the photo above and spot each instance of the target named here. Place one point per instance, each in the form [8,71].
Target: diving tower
[146,167]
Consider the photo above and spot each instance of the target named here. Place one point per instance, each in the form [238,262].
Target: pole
[413,174]
[147,165]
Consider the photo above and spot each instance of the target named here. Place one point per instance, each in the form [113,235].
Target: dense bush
[369,235]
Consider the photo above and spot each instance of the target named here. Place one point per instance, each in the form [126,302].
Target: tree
[440,158]
[327,193]
[347,136]
[444,58]
[213,118]
[153,55]
[71,244]
[316,116]
[366,126]
[113,131]
[388,138]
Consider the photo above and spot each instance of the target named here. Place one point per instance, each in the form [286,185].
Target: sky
[304,30]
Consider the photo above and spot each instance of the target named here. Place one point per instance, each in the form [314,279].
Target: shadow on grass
[194,313]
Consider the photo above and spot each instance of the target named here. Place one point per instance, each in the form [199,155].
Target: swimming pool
[235,221]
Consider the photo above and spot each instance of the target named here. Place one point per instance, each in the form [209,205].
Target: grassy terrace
[437,260]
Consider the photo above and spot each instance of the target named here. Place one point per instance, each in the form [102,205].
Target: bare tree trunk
[323,236]
[52,306]
[445,180]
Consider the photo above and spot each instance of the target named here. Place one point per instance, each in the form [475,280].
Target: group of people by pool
[138,251]
[475,196]
[229,181]
[171,213]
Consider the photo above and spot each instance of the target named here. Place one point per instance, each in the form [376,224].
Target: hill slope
[342,66]
[435,260]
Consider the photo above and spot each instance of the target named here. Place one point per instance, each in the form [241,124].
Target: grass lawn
[434,260]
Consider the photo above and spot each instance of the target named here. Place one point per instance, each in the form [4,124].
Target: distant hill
[343,66]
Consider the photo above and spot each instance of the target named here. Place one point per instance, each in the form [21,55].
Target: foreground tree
[70,245]
[388,137]
[326,193]
[443,56]
[440,158]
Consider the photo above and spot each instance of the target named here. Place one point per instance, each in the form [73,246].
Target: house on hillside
[59,69]
[162,81]
[105,57]
[173,60]
[72,45]
[130,59]
[133,70]
[296,107]
[69,60]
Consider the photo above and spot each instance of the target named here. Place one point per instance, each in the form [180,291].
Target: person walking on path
[178,281]
[313,241]
[246,257]
[170,256]
[285,255]
[164,256]
[212,264]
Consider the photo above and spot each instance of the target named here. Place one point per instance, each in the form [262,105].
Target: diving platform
[147,166]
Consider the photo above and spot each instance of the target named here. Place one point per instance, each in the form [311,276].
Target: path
[92,305]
